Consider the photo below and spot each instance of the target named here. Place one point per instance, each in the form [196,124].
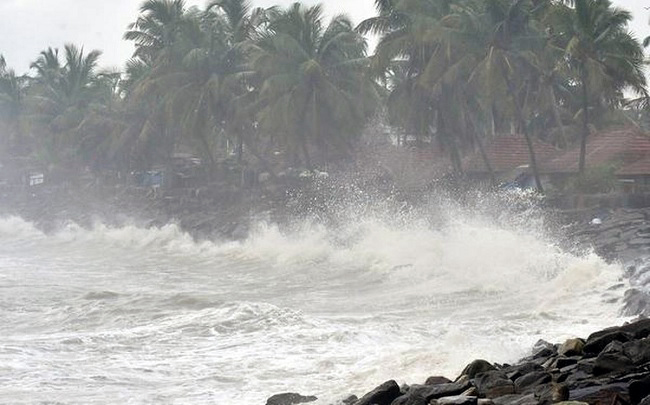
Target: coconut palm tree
[315,94]
[604,56]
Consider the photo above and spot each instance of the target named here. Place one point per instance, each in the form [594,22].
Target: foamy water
[149,316]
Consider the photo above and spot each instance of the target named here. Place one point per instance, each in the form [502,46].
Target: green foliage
[230,79]
[599,179]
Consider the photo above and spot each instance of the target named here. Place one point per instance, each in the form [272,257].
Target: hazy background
[29,26]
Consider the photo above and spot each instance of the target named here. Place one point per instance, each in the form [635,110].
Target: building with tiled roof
[507,153]
[620,148]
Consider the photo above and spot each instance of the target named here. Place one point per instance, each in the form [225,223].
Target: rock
[429,392]
[435,380]
[550,393]
[543,349]
[530,380]
[601,394]
[639,389]
[410,400]
[477,367]
[456,400]
[612,358]
[597,344]
[516,400]
[640,329]
[514,372]
[571,403]
[571,347]
[350,400]
[638,350]
[289,398]
[493,384]
[484,401]
[563,361]
[382,395]
[645,401]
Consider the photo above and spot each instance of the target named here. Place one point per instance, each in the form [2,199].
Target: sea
[329,304]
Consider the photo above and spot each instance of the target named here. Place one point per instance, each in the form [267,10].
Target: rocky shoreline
[609,367]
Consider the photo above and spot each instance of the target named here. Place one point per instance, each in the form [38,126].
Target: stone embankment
[621,235]
[610,367]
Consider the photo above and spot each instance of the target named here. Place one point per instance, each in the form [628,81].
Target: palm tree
[314,91]
[12,108]
[604,56]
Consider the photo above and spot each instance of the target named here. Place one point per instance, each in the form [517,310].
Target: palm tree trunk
[524,129]
[482,151]
[449,143]
[558,118]
[585,122]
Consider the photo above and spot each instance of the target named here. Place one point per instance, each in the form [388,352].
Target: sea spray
[357,289]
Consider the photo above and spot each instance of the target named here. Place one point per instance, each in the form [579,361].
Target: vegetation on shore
[286,87]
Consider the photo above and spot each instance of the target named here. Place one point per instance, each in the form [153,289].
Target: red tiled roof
[638,168]
[507,152]
[623,146]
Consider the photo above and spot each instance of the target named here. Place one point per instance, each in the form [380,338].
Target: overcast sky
[29,26]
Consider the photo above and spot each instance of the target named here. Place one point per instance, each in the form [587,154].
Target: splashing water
[329,308]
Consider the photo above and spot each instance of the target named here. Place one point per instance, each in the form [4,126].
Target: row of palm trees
[284,84]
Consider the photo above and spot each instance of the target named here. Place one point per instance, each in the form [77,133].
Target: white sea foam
[326,308]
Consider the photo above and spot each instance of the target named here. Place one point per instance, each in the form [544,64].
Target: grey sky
[29,26]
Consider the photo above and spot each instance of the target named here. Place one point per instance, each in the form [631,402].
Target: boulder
[385,394]
[477,367]
[435,380]
[612,358]
[543,349]
[455,400]
[410,400]
[601,394]
[638,350]
[429,392]
[514,372]
[516,400]
[597,344]
[493,384]
[639,389]
[289,398]
[563,361]
[571,347]
[640,329]
[531,380]
[551,393]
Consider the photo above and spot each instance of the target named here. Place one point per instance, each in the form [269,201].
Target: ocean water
[328,308]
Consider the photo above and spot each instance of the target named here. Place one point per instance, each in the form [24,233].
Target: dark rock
[550,393]
[456,400]
[597,344]
[350,400]
[435,380]
[514,372]
[477,367]
[382,395]
[410,400]
[563,361]
[639,389]
[516,400]
[645,401]
[543,349]
[612,358]
[289,398]
[429,392]
[638,350]
[530,380]
[601,394]
[571,347]
[640,329]
[493,384]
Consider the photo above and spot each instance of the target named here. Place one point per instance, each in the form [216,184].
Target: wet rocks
[610,367]
[289,398]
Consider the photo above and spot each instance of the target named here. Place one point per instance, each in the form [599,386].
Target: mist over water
[360,290]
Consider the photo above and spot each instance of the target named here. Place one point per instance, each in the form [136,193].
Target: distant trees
[286,85]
